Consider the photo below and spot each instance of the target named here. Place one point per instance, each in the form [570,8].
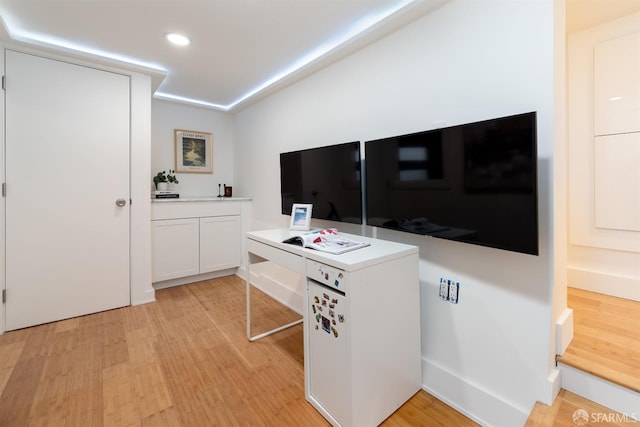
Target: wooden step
[606,341]
[603,360]
[570,410]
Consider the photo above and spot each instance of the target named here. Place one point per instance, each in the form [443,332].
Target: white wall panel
[617,85]
[617,181]
[603,197]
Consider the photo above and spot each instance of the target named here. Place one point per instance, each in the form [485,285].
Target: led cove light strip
[170,97]
[356,29]
[48,41]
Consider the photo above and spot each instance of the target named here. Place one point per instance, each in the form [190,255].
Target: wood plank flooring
[185,361]
[606,339]
[606,343]
[568,407]
[181,361]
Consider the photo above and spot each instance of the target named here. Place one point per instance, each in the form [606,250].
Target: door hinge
[4,296]
[4,189]
[4,83]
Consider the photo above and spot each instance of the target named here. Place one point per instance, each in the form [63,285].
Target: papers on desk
[328,240]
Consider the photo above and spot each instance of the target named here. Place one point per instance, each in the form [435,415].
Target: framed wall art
[194,151]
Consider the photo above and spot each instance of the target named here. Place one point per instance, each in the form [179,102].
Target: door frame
[141,91]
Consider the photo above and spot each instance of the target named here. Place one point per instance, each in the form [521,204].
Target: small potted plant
[162,179]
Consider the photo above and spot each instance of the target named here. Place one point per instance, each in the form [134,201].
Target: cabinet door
[219,243]
[617,85]
[175,248]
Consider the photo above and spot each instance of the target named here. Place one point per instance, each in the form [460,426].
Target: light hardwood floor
[606,339]
[181,361]
[185,361]
[568,407]
[606,343]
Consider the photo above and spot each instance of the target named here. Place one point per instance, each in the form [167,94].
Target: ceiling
[582,14]
[241,50]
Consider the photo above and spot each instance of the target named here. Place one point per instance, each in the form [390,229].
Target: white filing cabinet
[191,238]
[363,339]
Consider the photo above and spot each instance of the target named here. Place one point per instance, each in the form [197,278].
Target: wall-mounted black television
[328,177]
[474,183]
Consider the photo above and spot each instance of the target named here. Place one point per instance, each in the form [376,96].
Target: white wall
[600,259]
[489,356]
[167,116]
[2,202]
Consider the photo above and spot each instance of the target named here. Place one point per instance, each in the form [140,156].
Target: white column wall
[491,355]
[140,233]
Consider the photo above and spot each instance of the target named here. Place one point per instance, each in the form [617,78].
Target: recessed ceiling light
[177,39]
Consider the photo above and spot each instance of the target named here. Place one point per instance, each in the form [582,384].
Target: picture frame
[194,151]
[300,216]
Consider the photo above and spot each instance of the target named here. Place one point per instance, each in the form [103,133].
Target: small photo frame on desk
[300,216]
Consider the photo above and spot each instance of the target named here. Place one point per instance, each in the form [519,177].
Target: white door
[67,163]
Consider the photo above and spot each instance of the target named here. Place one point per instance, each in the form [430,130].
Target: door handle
[121,202]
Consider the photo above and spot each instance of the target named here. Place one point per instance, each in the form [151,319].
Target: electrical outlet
[454,292]
[443,292]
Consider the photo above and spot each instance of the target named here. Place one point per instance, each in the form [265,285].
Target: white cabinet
[617,85]
[193,238]
[219,243]
[363,331]
[175,248]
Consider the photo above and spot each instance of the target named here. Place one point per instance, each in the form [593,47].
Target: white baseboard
[149,296]
[469,399]
[615,397]
[604,283]
[555,384]
[564,331]
[191,279]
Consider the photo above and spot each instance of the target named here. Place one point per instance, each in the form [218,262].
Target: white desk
[362,355]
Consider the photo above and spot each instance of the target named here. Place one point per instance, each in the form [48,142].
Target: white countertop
[201,199]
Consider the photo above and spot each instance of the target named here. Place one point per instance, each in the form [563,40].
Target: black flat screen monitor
[474,183]
[327,177]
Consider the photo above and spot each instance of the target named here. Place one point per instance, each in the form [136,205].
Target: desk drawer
[327,275]
[279,256]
